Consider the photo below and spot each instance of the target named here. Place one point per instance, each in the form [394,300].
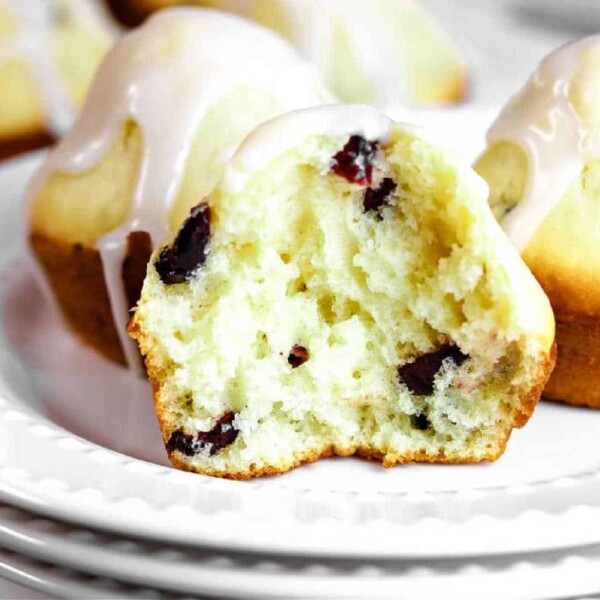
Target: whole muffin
[49,52]
[170,103]
[542,165]
[344,290]
[382,51]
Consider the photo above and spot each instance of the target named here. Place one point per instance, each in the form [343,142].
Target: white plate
[57,582]
[543,494]
[543,576]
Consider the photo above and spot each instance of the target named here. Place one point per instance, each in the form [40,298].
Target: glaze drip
[553,130]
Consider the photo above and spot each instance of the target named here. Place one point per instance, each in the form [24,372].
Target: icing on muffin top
[283,133]
[555,118]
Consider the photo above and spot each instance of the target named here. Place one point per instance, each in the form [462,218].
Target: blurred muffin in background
[375,51]
[542,165]
[49,51]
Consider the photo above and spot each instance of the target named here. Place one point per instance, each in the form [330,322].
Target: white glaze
[542,121]
[273,138]
[165,76]
[33,42]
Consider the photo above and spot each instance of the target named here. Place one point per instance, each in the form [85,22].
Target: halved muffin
[345,289]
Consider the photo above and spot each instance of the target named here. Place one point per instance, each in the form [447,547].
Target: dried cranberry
[298,356]
[374,199]
[183,442]
[189,251]
[419,375]
[221,435]
[355,161]
[420,421]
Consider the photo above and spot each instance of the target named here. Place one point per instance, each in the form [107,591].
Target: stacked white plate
[90,509]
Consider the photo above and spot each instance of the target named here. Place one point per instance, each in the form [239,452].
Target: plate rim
[38,576]
[84,552]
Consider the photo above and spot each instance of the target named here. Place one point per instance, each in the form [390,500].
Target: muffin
[170,103]
[376,51]
[344,290]
[542,164]
[49,52]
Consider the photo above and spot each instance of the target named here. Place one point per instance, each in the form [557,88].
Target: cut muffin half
[344,290]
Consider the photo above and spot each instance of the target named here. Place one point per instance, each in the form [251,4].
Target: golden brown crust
[572,288]
[28,143]
[369,453]
[576,379]
[76,276]
[528,404]
[328,451]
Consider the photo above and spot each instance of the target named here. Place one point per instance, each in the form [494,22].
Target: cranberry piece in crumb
[189,251]
[374,199]
[298,356]
[419,375]
[221,435]
[183,442]
[420,421]
[355,161]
